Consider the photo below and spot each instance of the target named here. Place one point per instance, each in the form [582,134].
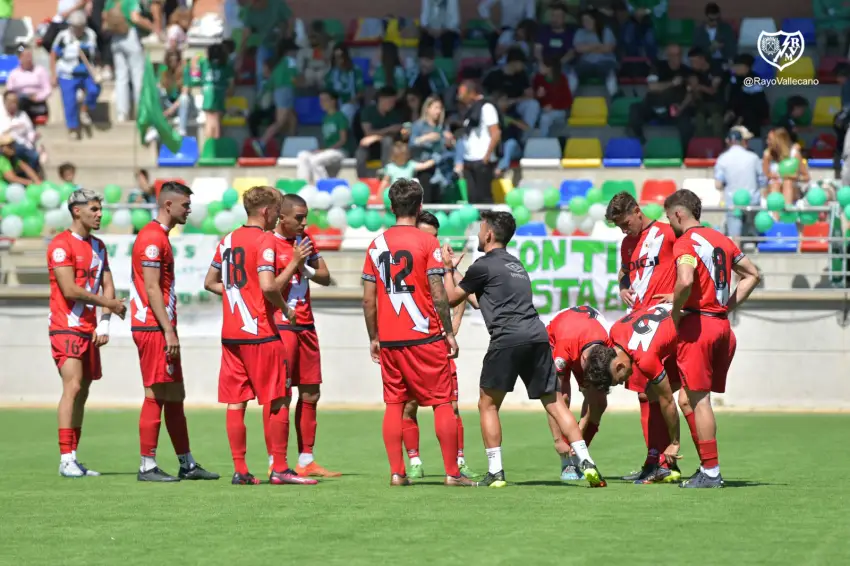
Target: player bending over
[153,307]
[80,281]
[410,330]
[429,224]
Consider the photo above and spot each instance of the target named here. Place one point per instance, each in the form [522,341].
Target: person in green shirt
[175,99]
[382,123]
[270,21]
[345,80]
[336,144]
[401,166]
[216,85]
[390,72]
[127,53]
[12,169]
[283,79]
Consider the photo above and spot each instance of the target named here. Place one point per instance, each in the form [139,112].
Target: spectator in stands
[555,39]
[717,38]
[512,12]
[428,79]
[439,25]
[217,76]
[270,21]
[797,106]
[124,21]
[31,83]
[390,71]
[412,106]
[779,148]
[666,90]
[381,124]
[552,90]
[17,123]
[70,58]
[12,168]
[513,81]
[482,135]
[345,79]
[523,38]
[177,35]
[143,193]
[314,61]
[747,105]
[283,79]
[156,11]
[514,132]
[95,9]
[635,36]
[832,19]
[431,140]
[262,114]
[68,173]
[702,110]
[401,166]
[336,144]
[595,45]
[738,168]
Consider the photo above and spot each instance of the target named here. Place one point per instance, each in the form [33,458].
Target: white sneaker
[85,119]
[70,470]
[88,472]
[121,118]
[151,136]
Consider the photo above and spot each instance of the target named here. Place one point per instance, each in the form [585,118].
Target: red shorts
[453,369]
[638,382]
[421,372]
[156,366]
[65,345]
[705,351]
[305,362]
[251,371]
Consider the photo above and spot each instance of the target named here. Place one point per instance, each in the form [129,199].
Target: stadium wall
[791,355]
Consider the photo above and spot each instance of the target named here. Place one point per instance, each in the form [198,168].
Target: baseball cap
[6,139]
[739,133]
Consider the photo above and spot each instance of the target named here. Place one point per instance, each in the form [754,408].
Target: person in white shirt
[511,12]
[16,123]
[481,138]
[737,169]
[71,59]
[439,25]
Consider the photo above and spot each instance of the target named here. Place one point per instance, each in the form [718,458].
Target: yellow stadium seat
[242,184]
[804,69]
[582,152]
[408,37]
[825,109]
[374,164]
[500,189]
[236,111]
[589,111]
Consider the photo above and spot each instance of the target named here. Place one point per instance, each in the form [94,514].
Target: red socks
[692,425]
[237,435]
[459,436]
[149,422]
[410,433]
[279,432]
[590,431]
[445,423]
[178,430]
[708,453]
[66,440]
[267,430]
[78,432]
[305,426]
[644,420]
[659,436]
[393,415]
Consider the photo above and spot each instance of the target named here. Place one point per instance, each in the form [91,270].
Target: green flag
[150,112]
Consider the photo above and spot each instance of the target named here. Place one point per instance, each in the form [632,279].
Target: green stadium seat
[663,152]
[780,110]
[335,29]
[447,65]
[223,152]
[475,34]
[290,185]
[679,31]
[618,113]
[612,187]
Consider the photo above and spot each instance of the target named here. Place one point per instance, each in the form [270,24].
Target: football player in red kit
[153,307]
[254,361]
[80,281]
[702,299]
[646,271]
[403,296]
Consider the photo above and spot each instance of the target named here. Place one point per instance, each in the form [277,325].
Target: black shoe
[196,472]
[244,479]
[641,474]
[156,475]
[493,480]
[701,480]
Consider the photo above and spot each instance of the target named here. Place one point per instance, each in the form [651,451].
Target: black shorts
[531,362]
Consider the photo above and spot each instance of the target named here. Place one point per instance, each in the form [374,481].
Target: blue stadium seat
[623,152]
[532,229]
[764,70]
[806,26]
[328,185]
[574,188]
[7,64]
[787,239]
[820,163]
[365,63]
[186,156]
[309,111]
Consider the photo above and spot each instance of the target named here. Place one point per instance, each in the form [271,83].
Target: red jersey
[648,336]
[283,250]
[712,255]
[87,256]
[647,263]
[399,262]
[241,256]
[570,333]
[297,294]
[152,248]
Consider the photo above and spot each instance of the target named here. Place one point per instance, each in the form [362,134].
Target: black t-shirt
[503,289]
[707,78]
[514,86]
[672,94]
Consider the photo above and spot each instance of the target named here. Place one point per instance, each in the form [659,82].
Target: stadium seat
[679,31]
[825,110]
[328,185]
[308,110]
[157,184]
[395,32]
[208,189]
[663,152]
[542,148]
[246,74]
[221,152]
[473,67]
[366,32]
[705,189]
[499,188]
[242,184]
[365,66]
[780,110]
[290,185]
[826,68]
[293,145]
[186,156]
[574,188]
[7,64]
[806,26]
[784,239]
[819,230]
[447,65]
[335,29]
[822,147]
[618,114]
[475,34]
[803,69]
[612,187]
[588,111]
[582,152]
[375,196]
[41,120]
[656,190]
[703,152]
[248,156]
[532,229]
[326,239]
[751,28]
[763,69]
[623,152]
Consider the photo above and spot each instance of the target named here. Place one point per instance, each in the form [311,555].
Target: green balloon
[741,198]
[33,225]
[389,219]
[809,217]
[106,219]
[788,167]
[322,219]
[214,208]
[14,209]
[843,196]
[522,215]
[514,198]
[763,221]
[551,219]
[387,204]
[65,191]
[229,198]
[27,206]
[3,192]
[579,206]
[112,193]
[707,224]
[594,195]
[360,194]
[816,196]
[775,202]
[34,192]
[140,218]
[373,220]
[208,226]
[470,213]
[788,217]
[652,210]
[313,217]
[456,221]
[294,185]
[356,217]
[551,197]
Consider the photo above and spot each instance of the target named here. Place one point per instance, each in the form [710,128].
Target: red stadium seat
[249,158]
[703,152]
[826,68]
[157,185]
[329,239]
[41,120]
[656,190]
[246,75]
[823,147]
[816,230]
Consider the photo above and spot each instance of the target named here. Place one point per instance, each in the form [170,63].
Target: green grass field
[786,500]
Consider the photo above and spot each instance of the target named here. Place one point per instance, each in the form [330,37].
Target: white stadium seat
[751,28]
[542,148]
[294,145]
[705,189]
[208,189]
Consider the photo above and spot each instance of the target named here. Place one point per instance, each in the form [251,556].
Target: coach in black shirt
[519,343]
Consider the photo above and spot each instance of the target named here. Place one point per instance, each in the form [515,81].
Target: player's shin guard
[708,453]
[445,423]
[279,432]
[149,424]
[659,436]
[410,434]
[590,432]
[393,437]
[305,426]
[178,430]
[237,436]
[267,430]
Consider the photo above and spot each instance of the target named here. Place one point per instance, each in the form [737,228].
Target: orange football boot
[315,470]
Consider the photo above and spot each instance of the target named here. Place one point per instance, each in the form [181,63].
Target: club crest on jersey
[151,252]
[438,255]
[268,254]
[59,255]
[560,364]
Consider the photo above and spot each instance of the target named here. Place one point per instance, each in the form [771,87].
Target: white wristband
[102,327]
[308,271]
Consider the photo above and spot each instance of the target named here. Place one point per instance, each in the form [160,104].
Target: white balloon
[122,218]
[586,224]
[308,192]
[502,208]
[12,226]
[53,218]
[239,214]
[15,193]
[533,200]
[341,196]
[224,221]
[199,213]
[337,218]
[322,200]
[597,211]
[566,224]
[50,199]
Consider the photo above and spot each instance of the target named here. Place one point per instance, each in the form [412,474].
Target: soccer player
[403,296]
[153,309]
[254,361]
[429,224]
[80,281]
[646,271]
[300,338]
[519,344]
[705,260]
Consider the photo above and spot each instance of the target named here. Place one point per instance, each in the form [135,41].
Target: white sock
[271,460]
[305,459]
[74,454]
[494,459]
[711,472]
[186,460]
[580,448]
[67,458]
[415,461]
[461,460]
[148,463]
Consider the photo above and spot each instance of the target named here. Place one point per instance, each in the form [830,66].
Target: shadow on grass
[748,483]
[549,483]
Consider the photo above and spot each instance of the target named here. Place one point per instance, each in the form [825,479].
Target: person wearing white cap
[738,168]
[70,60]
